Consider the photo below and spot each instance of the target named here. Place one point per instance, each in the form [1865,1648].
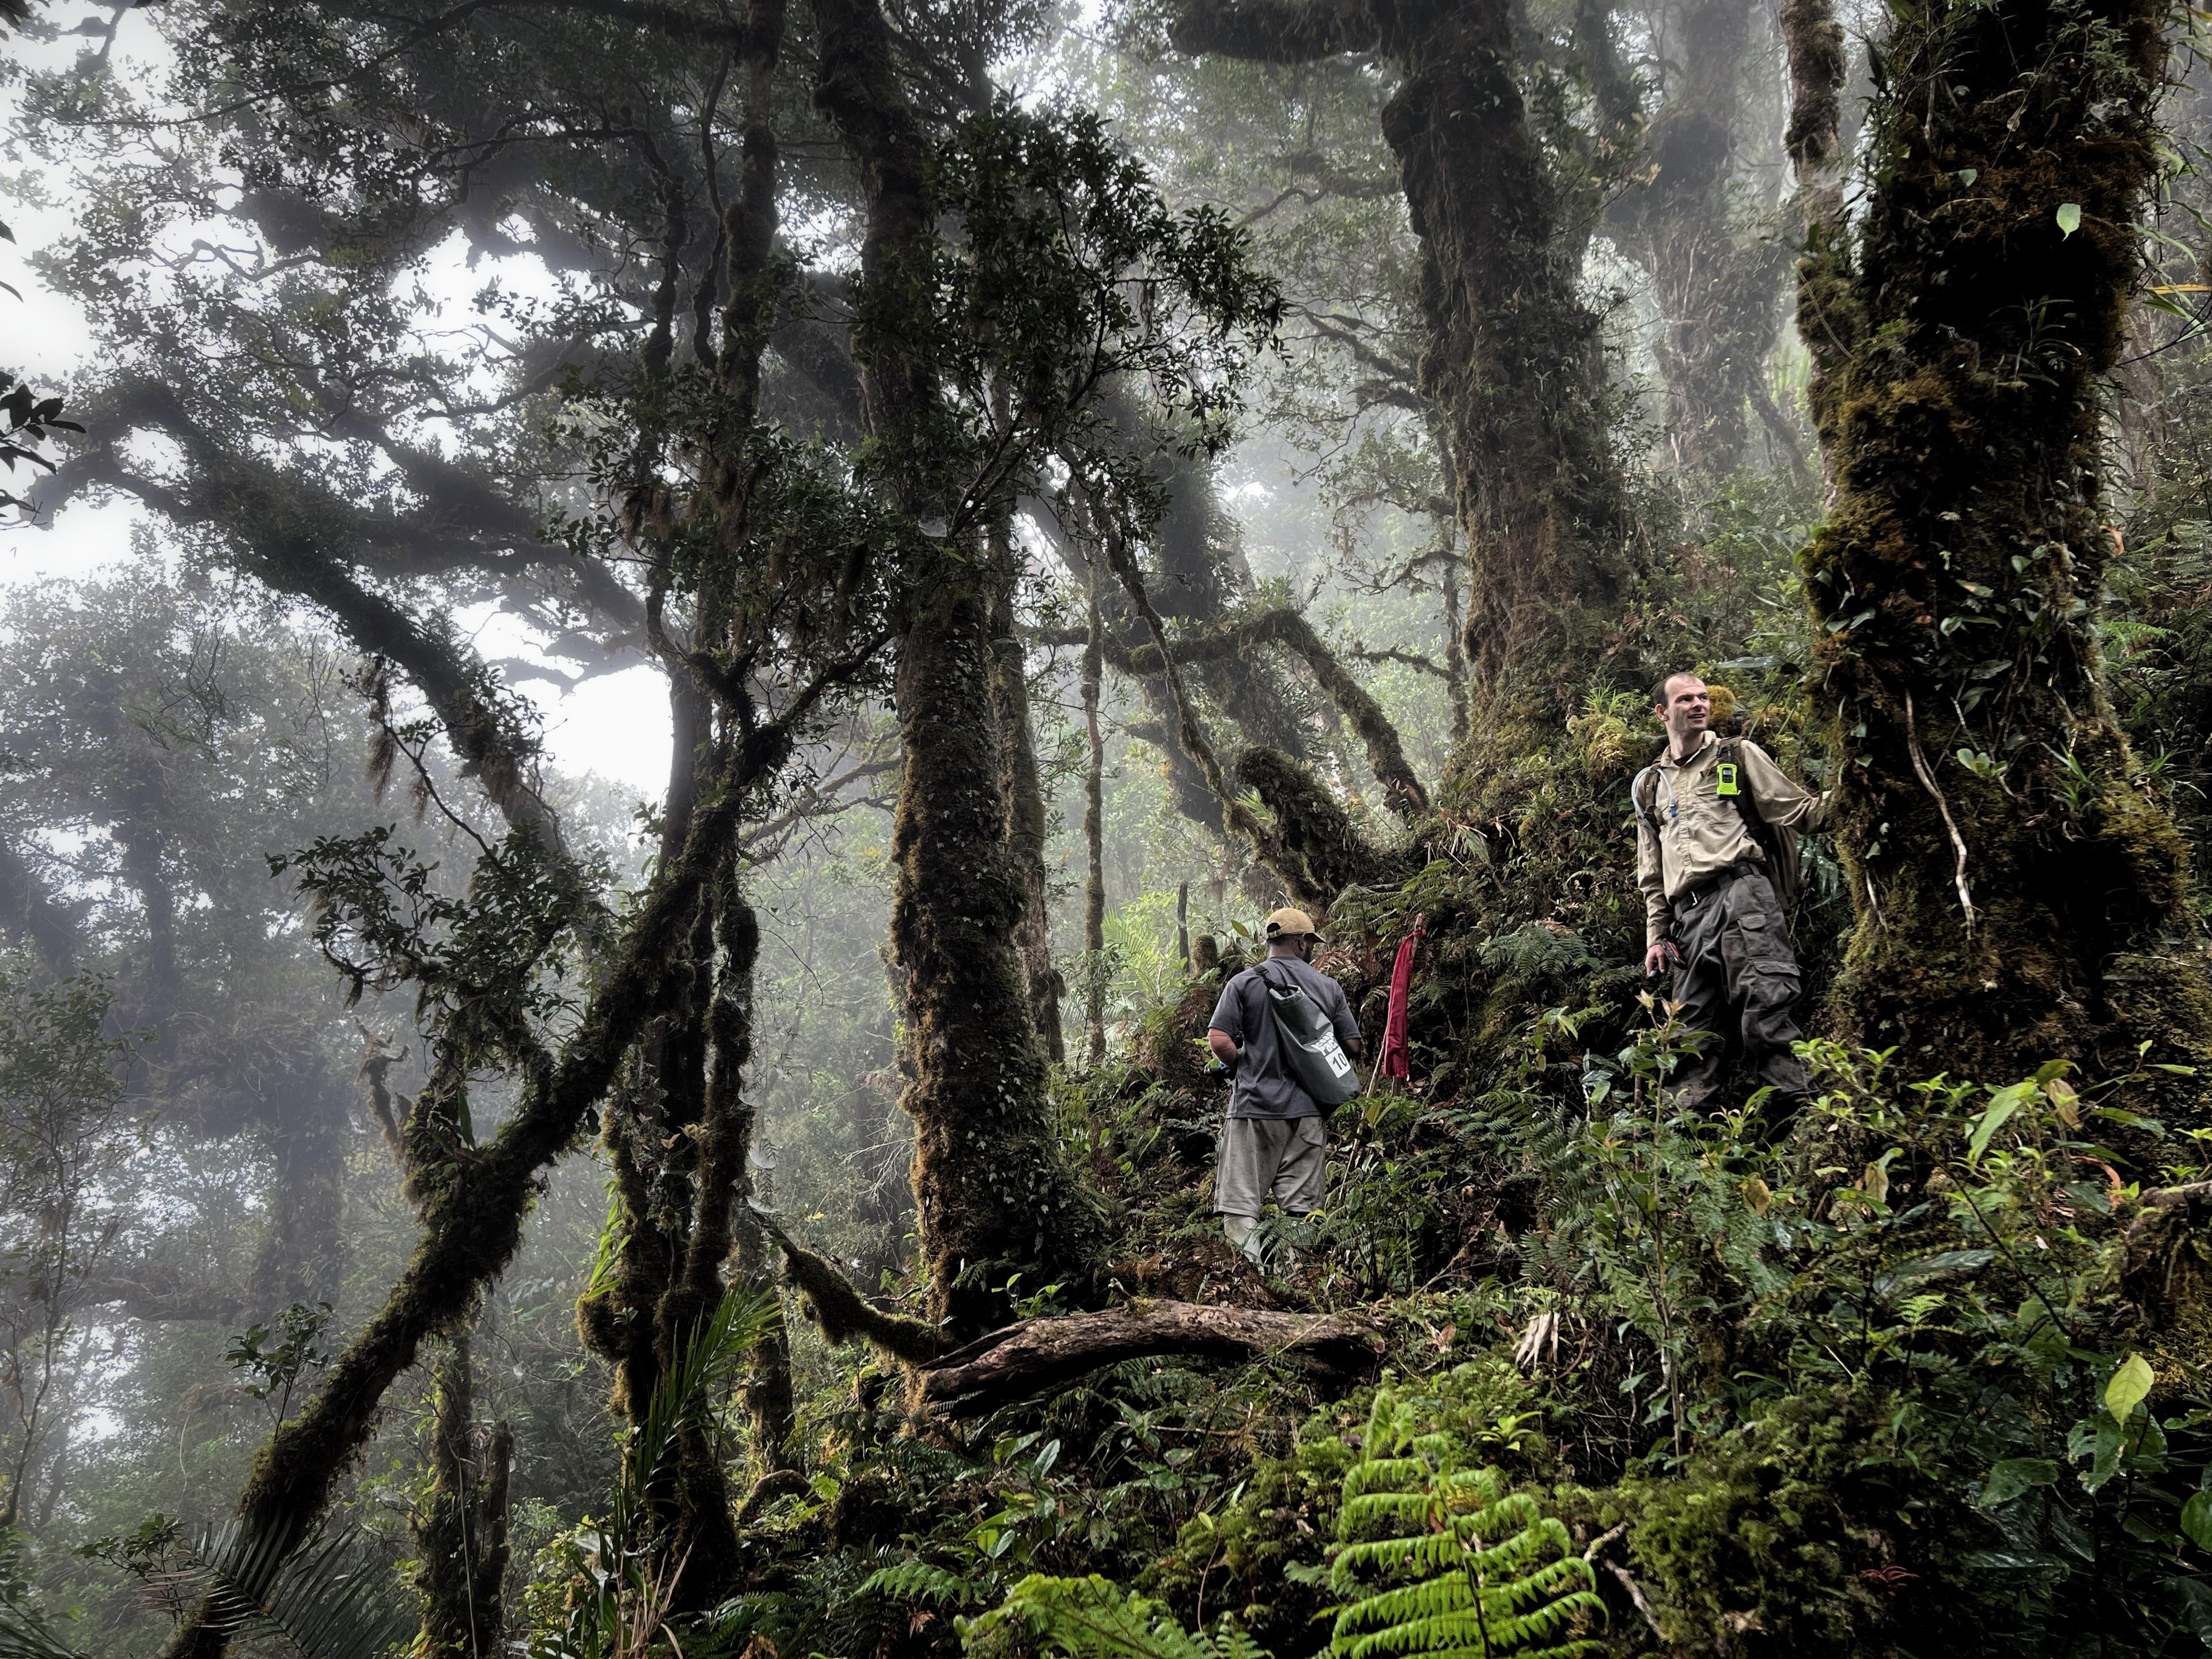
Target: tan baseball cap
[1290,924]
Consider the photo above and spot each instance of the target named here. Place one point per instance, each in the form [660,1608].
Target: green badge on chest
[1724,776]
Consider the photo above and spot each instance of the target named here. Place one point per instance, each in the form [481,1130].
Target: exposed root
[1927,783]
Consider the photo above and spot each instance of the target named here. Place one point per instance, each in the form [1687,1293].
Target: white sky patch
[615,725]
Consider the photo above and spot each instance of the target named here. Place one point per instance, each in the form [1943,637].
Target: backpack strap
[1262,980]
[1646,801]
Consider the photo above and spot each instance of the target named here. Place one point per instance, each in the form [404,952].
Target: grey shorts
[1288,1156]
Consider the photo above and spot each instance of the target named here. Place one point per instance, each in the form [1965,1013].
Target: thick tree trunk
[1093,832]
[1717,280]
[2020,893]
[461,1531]
[992,1195]
[1515,361]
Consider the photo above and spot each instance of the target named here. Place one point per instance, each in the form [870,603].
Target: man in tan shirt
[1705,879]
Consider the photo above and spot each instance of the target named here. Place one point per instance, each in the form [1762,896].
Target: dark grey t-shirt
[1263,1088]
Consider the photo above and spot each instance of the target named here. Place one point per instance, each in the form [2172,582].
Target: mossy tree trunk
[1026,826]
[678,1135]
[471,1211]
[2021,891]
[993,1196]
[460,1528]
[1514,359]
[1094,830]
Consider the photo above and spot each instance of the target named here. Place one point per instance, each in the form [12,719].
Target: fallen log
[1036,1353]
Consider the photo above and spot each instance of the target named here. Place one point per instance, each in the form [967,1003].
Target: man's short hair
[1659,696]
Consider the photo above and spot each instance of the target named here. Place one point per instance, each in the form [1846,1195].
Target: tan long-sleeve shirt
[1701,832]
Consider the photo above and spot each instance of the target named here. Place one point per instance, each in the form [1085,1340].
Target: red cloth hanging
[1397,1057]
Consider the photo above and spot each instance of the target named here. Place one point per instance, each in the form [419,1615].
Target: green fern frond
[1093,1619]
[915,1581]
[1438,1560]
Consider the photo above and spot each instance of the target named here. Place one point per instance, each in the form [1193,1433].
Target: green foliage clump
[1790,1535]
[1092,1618]
[1433,1555]
[1436,1558]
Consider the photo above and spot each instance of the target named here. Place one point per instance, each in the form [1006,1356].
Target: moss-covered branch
[473,1211]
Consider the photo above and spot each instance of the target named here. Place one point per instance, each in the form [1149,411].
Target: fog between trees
[1081,477]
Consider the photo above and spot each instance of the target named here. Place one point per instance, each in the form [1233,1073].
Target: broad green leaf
[2106,1440]
[2069,217]
[1999,1113]
[2016,1475]
[2195,1603]
[2197,1519]
[2129,1386]
[2039,1330]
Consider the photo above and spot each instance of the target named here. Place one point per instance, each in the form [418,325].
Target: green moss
[1960,333]
[1809,1533]
[993,1194]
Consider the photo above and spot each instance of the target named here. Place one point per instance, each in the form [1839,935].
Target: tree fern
[1438,1561]
[1091,1619]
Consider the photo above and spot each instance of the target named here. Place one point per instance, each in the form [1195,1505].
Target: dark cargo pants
[1738,984]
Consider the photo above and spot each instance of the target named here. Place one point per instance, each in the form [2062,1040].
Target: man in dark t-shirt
[1272,1138]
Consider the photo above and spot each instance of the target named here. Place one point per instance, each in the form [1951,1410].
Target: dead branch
[1037,1352]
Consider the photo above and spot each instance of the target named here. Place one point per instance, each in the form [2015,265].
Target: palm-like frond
[321,1597]
[24,1635]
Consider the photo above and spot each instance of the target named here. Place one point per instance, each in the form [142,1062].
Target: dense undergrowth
[1917,1372]
[1901,1377]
